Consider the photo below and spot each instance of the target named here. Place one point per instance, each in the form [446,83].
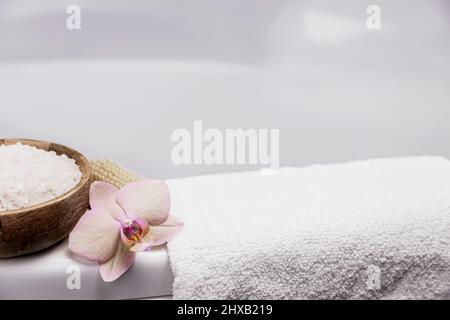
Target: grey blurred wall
[137,70]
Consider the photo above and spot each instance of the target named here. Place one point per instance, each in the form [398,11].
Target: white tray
[52,274]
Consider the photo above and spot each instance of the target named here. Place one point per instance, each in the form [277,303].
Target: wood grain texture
[35,228]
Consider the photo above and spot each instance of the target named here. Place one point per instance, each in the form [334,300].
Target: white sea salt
[29,176]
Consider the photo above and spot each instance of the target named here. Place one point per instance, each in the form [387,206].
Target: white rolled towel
[362,230]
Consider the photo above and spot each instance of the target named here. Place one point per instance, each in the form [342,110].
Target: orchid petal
[166,231]
[103,195]
[148,199]
[95,236]
[122,260]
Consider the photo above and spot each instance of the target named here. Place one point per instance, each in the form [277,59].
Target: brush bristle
[113,173]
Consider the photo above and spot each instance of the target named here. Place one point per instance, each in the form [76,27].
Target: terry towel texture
[368,229]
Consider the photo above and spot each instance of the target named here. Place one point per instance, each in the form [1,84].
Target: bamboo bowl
[34,228]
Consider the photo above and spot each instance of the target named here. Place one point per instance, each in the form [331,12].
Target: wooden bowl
[37,227]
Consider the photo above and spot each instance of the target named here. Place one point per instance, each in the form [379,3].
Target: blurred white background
[139,69]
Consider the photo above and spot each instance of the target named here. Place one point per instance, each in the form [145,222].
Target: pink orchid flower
[123,222]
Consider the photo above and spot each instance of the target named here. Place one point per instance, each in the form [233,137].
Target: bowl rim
[85,177]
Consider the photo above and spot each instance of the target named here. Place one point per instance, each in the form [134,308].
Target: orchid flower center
[132,230]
